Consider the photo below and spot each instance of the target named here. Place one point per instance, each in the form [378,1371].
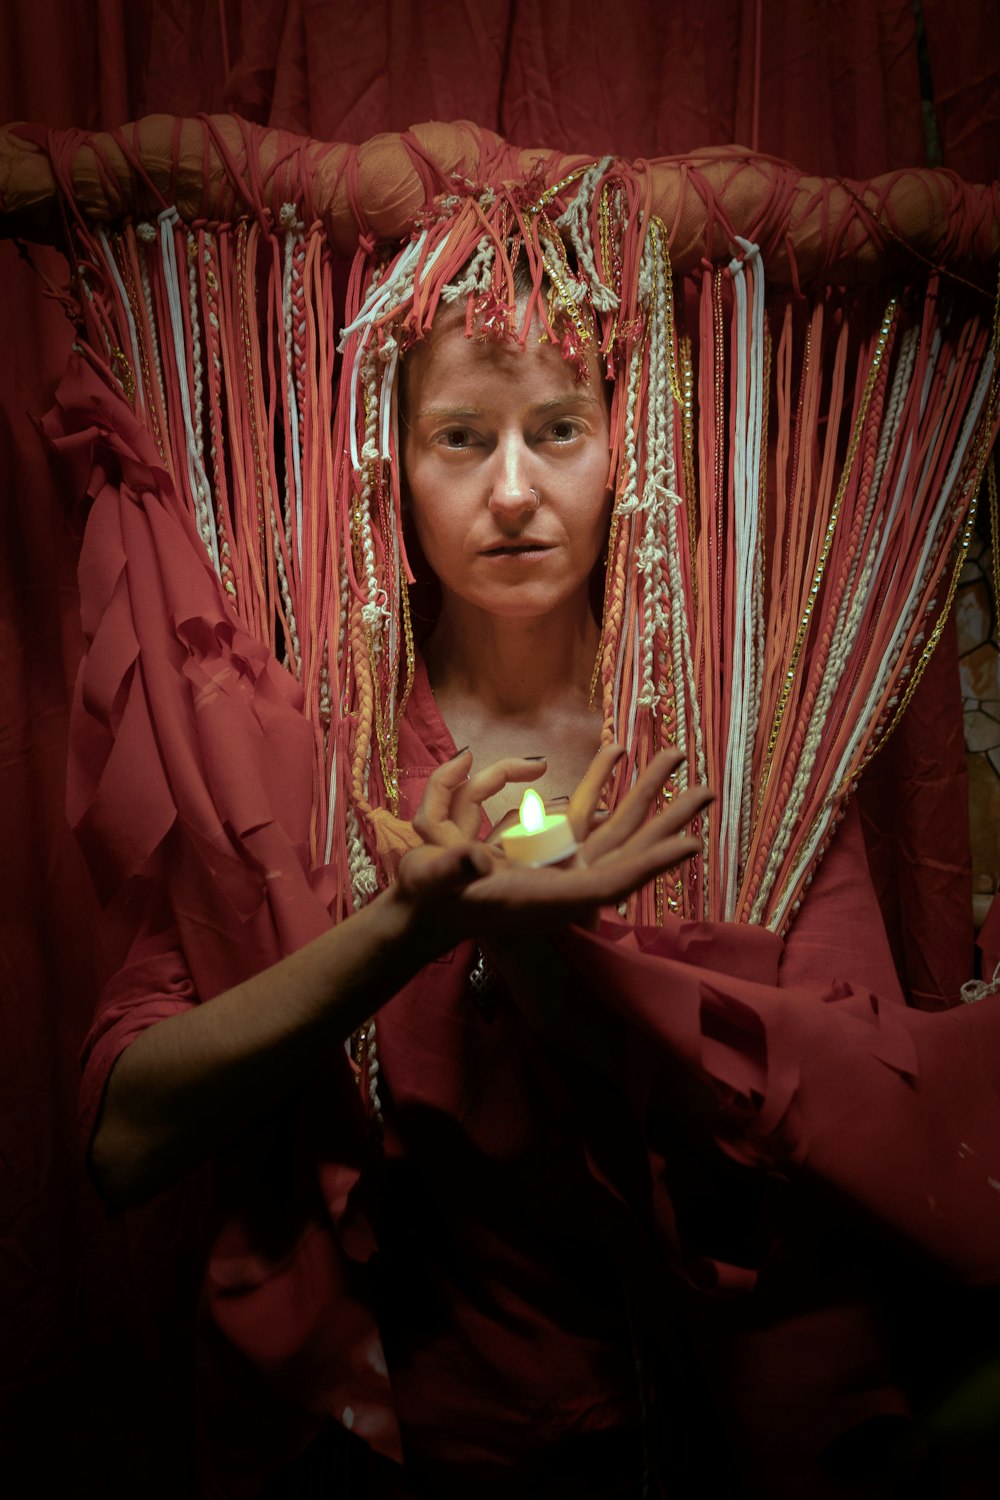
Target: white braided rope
[747,424]
[898,392]
[203,493]
[393,291]
[293,470]
[364,881]
[293,650]
[365,378]
[685,686]
[197,360]
[375,611]
[478,275]
[921,573]
[978,989]
[863,563]
[626,505]
[325,698]
[873,526]
[756,692]
[659,491]
[382,297]
[197,478]
[146,234]
[372,1065]
[576,221]
[217,439]
[849,615]
[133,337]
[629,498]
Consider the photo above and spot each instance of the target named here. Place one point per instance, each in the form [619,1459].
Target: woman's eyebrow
[571,399]
[471,413]
[451,413]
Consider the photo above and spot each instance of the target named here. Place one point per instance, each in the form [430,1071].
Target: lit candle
[540,838]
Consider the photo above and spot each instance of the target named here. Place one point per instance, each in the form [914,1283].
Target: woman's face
[506,459]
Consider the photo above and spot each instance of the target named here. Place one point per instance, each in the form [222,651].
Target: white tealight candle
[540,838]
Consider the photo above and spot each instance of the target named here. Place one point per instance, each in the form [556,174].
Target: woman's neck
[518,687]
[513,668]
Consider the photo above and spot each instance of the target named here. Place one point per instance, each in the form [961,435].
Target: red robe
[526,1216]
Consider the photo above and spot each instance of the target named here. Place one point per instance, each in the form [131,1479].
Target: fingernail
[459,752]
[534,757]
[551,801]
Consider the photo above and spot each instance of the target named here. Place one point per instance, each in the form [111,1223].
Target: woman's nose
[512,496]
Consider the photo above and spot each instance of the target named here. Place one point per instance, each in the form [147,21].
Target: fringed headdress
[600,283]
[770,619]
[794,476]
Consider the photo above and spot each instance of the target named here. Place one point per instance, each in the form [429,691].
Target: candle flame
[532,811]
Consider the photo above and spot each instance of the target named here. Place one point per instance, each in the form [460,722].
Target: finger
[588,794]
[584,800]
[509,820]
[589,888]
[633,831]
[672,821]
[630,872]
[467,804]
[538,899]
[627,825]
[435,805]
[635,806]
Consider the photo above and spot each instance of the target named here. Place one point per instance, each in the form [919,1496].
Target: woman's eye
[456,437]
[562,431]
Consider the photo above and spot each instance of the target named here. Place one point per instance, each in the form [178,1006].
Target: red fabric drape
[645,80]
[95,1313]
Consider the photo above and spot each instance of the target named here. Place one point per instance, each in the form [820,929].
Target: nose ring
[536,497]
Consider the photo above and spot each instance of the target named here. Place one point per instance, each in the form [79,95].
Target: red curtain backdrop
[96,1312]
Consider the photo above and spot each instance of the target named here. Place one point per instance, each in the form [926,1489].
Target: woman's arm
[191,1083]
[188,1085]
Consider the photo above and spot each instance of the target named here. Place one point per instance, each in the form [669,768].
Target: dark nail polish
[534,757]
[460,752]
[553,800]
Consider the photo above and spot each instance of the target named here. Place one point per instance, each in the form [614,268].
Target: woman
[530,1344]
[506,455]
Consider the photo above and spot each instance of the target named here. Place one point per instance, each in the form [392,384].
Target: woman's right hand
[459,886]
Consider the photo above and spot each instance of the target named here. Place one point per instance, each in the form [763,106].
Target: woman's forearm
[192,1083]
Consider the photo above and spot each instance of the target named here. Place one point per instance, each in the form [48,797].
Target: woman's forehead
[448,362]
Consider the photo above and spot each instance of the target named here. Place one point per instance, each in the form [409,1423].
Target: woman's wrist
[408,934]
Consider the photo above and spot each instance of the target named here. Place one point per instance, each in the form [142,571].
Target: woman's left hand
[451,811]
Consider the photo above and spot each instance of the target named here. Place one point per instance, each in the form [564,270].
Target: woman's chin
[524,601]
[521,607]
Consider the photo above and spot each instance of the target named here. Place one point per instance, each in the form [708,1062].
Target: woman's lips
[518,549]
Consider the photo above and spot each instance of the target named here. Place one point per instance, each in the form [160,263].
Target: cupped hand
[460,887]
[451,811]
